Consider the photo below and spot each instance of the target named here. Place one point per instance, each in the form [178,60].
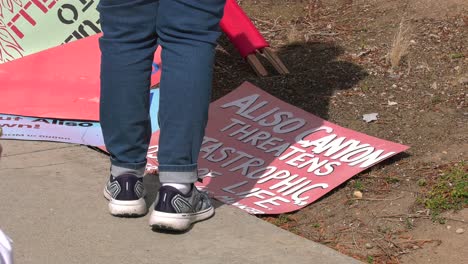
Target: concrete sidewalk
[51,205]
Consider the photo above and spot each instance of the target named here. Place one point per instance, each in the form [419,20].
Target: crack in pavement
[37,151]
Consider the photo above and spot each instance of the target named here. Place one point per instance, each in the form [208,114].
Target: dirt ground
[337,52]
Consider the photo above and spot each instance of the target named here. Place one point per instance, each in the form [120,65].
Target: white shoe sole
[126,208]
[178,222]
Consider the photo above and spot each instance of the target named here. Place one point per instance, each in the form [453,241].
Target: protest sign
[68,75]
[51,129]
[30,26]
[265,156]
[66,131]
[62,82]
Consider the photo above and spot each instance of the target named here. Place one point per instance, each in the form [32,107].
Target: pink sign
[265,156]
[64,81]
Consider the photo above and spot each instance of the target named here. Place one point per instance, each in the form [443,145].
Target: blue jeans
[187,30]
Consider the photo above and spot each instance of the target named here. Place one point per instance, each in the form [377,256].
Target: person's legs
[187,31]
[127,47]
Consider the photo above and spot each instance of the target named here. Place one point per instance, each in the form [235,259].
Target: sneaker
[126,195]
[176,211]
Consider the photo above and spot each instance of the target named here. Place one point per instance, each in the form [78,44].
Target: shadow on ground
[316,73]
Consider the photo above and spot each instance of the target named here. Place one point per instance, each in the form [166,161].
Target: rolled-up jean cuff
[132,166]
[178,173]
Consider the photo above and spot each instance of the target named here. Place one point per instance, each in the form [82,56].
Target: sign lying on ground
[64,81]
[60,130]
[259,154]
[51,129]
[265,156]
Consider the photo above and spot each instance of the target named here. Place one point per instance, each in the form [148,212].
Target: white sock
[182,187]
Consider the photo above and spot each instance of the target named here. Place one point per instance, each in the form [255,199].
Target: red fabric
[240,30]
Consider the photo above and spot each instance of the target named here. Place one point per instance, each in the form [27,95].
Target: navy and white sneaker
[126,195]
[175,211]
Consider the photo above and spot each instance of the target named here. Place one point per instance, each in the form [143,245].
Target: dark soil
[337,52]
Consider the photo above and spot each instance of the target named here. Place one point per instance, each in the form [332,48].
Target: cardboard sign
[51,129]
[64,81]
[67,131]
[26,25]
[68,75]
[265,156]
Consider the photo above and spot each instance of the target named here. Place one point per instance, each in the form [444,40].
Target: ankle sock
[117,171]
[182,187]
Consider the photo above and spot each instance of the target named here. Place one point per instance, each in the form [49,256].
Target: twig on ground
[423,241]
[420,216]
[328,34]
[375,199]
[354,238]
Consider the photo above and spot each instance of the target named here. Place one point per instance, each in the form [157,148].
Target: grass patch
[384,229]
[455,56]
[316,225]
[449,191]
[392,180]
[409,223]
[436,100]
[282,220]
[358,185]
[422,182]
[365,88]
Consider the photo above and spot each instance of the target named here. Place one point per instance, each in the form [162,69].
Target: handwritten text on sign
[268,157]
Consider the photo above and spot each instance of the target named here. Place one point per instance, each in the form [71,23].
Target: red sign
[64,81]
[265,156]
